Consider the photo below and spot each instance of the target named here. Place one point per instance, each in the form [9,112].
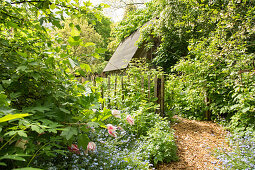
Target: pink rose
[91,146]
[74,148]
[111,130]
[130,120]
[116,113]
[112,133]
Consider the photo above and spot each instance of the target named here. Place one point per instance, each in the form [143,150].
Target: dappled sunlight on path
[196,141]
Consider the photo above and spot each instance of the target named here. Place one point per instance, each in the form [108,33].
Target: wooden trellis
[154,88]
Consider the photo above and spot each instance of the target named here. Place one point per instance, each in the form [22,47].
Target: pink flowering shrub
[74,148]
[130,120]
[91,146]
[111,130]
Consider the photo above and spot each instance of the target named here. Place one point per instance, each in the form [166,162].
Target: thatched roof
[124,53]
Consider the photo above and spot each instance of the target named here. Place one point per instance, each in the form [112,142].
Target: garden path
[196,141]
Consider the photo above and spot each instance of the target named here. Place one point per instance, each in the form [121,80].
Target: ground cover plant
[242,153]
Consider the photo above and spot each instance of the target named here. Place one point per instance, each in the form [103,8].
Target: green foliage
[160,143]
[38,79]
[241,155]
[155,142]
[133,21]
[82,42]
[217,76]
[11,117]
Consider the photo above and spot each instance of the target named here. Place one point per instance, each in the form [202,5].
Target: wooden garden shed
[125,52]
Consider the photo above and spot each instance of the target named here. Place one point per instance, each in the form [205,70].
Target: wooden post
[162,97]
[207,103]
[122,87]
[94,80]
[109,90]
[115,86]
[149,87]
[155,86]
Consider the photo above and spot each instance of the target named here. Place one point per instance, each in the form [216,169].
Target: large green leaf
[83,140]
[2,164]
[27,168]
[13,116]
[85,67]
[75,32]
[68,132]
[13,157]
[88,44]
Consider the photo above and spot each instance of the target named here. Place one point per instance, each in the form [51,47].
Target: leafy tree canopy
[38,80]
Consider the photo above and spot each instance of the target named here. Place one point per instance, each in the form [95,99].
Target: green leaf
[106,117]
[76,38]
[22,133]
[52,6]
[75,32]
[12,24]
[96,55]
[21,68]
[13,157]
[7,82]
[101,50]
[93,124]
[68,132]
[41,109]
[78,27]
[12,116]
[85,67]
[71,25]
[83,141]
[36,128]
[22,54]
[27,168]
[88,44]
[244,110]
[72,42]
[64,110]
[11,133]
[2,164]
[15,95]
[71,62]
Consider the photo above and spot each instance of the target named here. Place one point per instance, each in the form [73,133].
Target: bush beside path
[197,141]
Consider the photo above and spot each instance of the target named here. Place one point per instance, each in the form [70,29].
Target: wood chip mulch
[196,141]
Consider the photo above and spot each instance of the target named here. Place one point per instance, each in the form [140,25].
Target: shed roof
[124,53]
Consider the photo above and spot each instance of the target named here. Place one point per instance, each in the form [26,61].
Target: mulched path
[196,141]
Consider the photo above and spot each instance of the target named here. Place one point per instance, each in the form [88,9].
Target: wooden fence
[151,86]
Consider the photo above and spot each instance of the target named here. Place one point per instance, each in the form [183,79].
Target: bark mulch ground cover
[196,141]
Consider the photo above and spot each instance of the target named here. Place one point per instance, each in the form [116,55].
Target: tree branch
[11,16]
[21,2]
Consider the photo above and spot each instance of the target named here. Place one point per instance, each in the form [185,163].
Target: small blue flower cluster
[242,154]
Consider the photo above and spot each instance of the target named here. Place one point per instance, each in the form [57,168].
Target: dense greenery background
[208,49]
[205,47]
